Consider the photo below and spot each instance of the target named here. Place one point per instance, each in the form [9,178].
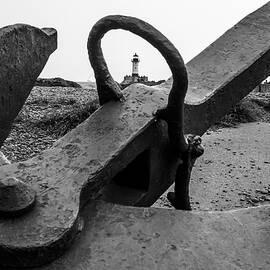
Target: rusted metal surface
[84,161]
[67,182]
[77,167]
[180,198]
[119,237]
[16,198]
[109,90]
[227,70]
[24,51]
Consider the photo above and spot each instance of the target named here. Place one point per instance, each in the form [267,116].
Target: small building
[134,77]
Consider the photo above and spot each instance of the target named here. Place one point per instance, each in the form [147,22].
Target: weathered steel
[24,51]
[78,166]
[109,90]
[83,163]
[120,237]
[56,208]
[180,198]
[16,198]
[227,70]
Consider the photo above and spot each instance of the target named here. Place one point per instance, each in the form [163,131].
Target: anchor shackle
[109,90]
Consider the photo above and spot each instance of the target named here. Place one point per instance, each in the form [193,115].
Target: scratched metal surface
[121,237]
[79,161]
[227,70]
[24,51]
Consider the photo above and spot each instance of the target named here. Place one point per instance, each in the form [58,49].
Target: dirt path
[234,170]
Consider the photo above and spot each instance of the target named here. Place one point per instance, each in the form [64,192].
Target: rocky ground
[48,114]
[233,172]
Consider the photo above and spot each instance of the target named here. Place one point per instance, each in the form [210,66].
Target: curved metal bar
[108,89]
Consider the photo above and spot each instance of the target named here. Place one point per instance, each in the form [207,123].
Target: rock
[56,82]
[261,191]
[24,50]
[3,159]
[254,200]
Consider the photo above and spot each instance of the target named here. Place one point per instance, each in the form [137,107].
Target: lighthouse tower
[134,78]
[135,65]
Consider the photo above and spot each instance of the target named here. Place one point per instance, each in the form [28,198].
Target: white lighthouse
[135,65]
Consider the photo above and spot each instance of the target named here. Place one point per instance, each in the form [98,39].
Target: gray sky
[190,24]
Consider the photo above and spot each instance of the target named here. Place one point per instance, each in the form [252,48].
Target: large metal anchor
[122,150]
[187,149]
[83,164]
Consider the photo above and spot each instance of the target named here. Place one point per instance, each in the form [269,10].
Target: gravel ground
[48,114]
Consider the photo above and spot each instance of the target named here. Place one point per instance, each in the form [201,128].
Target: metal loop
[109,90]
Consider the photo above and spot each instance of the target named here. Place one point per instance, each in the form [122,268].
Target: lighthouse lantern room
[135,65]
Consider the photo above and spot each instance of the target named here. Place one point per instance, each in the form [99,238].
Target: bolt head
[16,197]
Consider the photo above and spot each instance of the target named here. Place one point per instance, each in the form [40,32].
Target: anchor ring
[109,90]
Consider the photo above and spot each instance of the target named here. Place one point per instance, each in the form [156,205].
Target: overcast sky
[190,24]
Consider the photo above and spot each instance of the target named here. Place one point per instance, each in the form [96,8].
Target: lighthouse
[134,77]
[135,65]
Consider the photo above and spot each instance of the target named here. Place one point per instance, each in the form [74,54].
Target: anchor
[108,90]
[129,152]
[58,199]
